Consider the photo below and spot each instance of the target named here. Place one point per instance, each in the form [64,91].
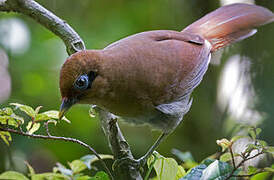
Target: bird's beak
[66,104]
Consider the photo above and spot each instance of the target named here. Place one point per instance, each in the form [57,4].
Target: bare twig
[56,25]
[50,137]
[232,157]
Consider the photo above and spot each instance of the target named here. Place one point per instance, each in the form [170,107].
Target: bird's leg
[141,161]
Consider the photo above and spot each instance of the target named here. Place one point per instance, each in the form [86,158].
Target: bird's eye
[82,82]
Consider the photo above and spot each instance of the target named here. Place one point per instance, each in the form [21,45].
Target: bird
[148,77]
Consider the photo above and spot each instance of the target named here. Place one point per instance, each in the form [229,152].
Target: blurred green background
[30,75]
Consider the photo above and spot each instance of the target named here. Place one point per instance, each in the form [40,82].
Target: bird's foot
[137,163]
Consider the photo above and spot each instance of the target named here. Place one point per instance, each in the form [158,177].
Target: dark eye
[82,82]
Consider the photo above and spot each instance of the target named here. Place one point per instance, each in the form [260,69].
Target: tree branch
[50,137]
[118,145]
[72,40]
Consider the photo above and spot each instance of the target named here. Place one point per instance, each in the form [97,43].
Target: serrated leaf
[32,127]
[55,115]
[89,159]
[217,170]
[50,176]
[12,175]
[8,120]
[27,109]
[180,173]
[224,143]
[77,166]
[62,169]
[100,176]
[6,137]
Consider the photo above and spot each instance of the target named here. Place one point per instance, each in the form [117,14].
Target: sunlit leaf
[27,109]
[7,111]
[89,159]
[77,166]
[165,168]
[8,120]
[18,118]
[83,178]
[180,173]
[38,109]
[12,175]
[6,137]
[32,127]
[54,115]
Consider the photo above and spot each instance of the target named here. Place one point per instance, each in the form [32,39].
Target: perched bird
[148,78]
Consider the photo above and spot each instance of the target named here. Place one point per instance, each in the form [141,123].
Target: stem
[232,156]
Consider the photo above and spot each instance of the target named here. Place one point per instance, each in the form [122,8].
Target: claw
[138,164]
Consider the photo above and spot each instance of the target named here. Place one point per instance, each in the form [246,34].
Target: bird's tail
[231,23]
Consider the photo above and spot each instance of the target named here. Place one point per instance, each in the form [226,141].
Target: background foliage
[34,71]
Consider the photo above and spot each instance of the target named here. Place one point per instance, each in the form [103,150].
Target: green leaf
[12,175]
[18,118]
[8,120]
[226,157]
[6,137]
[77,166]
[251,170]
[31,170]
[180,173]
[38,109]
[50,176]
[258,131]
[55,115]
[83,178]
[89,159]
[27,109]
[62,169]
[32,127]
[262,143]
[165,168]
[7,111]
[217,171]
[100,176]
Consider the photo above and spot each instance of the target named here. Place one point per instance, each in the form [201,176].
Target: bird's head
[79,79]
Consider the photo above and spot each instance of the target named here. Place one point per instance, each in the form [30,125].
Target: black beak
[66,104]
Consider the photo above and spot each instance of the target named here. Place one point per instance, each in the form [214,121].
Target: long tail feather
[231,23]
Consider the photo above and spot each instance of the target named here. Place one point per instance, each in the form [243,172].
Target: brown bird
[147,78]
